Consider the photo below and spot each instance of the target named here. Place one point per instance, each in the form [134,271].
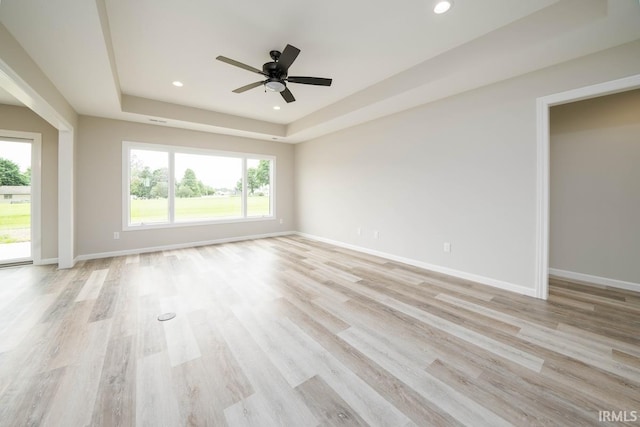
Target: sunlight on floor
[11,251]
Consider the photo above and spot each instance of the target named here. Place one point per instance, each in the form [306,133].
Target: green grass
[5,238]
[15,216]
[155,210]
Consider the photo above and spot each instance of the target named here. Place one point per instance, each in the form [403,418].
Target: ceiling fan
[277,73]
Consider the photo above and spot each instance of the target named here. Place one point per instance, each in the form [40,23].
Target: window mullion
[127,190]
[272,186]
[244,187]
[171,190]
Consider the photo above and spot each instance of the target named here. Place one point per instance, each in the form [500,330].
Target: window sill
[195,223]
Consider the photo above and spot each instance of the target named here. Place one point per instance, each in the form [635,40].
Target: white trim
[541,279]
[126,179]
[22,91]
[171,188]
[179,246]
[272,188]
[46,261]
[171,150]
[66,187]
[432,267]
[160,225]
[36,195]
[183,149]
[543,161]
[15,85]
[597,280]
[35,139]
[244,202]
[20,135]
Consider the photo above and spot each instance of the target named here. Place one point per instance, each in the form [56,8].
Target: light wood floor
[291,332]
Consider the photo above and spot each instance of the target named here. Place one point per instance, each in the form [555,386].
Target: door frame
[35,139]
[543,164]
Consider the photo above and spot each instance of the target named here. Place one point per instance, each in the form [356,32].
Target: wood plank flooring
[291,332]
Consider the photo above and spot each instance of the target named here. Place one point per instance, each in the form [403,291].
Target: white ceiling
[117,58]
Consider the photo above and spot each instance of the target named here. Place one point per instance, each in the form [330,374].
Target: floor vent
[166,316]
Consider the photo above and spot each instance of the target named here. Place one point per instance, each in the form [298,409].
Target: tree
[27,175]
[256,177]
[159,191]
[159,184]
[207,190]
[263,173]
[184,191]
[189,186]
[141,183]
[252,180]
[160,176]
[146,184]
[10,174]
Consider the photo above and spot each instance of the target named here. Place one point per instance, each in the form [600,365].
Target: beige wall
[99,186]
[22,119]
[595,187]
[460,170]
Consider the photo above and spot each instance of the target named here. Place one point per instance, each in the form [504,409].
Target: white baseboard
[46,261]
[126,252]
[439,269]
[597,280]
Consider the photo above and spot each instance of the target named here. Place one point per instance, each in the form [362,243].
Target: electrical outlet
[359,231]
[376,234]
[281,221]
[116,235]
[447,247]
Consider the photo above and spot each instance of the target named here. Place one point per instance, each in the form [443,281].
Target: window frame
[171,150]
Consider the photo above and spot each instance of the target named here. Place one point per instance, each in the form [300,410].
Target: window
[170,186]
[148,186]
[258,186]
[206,187]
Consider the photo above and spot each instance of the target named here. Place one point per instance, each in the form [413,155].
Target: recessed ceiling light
[276,107]
[178,84]
[442,7]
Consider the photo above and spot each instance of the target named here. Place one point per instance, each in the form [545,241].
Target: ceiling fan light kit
[277,73]
[275,85]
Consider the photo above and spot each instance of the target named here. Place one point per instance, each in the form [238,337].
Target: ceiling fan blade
[289,54]
[249,86]
[239,64]
[287,95]
[318,81]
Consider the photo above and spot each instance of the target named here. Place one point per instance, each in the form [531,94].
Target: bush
[184,192]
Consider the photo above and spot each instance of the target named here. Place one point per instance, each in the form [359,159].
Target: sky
[17,152]
[218,172]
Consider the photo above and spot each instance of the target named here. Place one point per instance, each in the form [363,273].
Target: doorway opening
[19,198]
[543,165]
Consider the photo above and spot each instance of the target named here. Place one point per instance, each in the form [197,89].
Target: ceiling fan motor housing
[274,70]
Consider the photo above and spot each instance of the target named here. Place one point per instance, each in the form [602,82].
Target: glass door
[15,201]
